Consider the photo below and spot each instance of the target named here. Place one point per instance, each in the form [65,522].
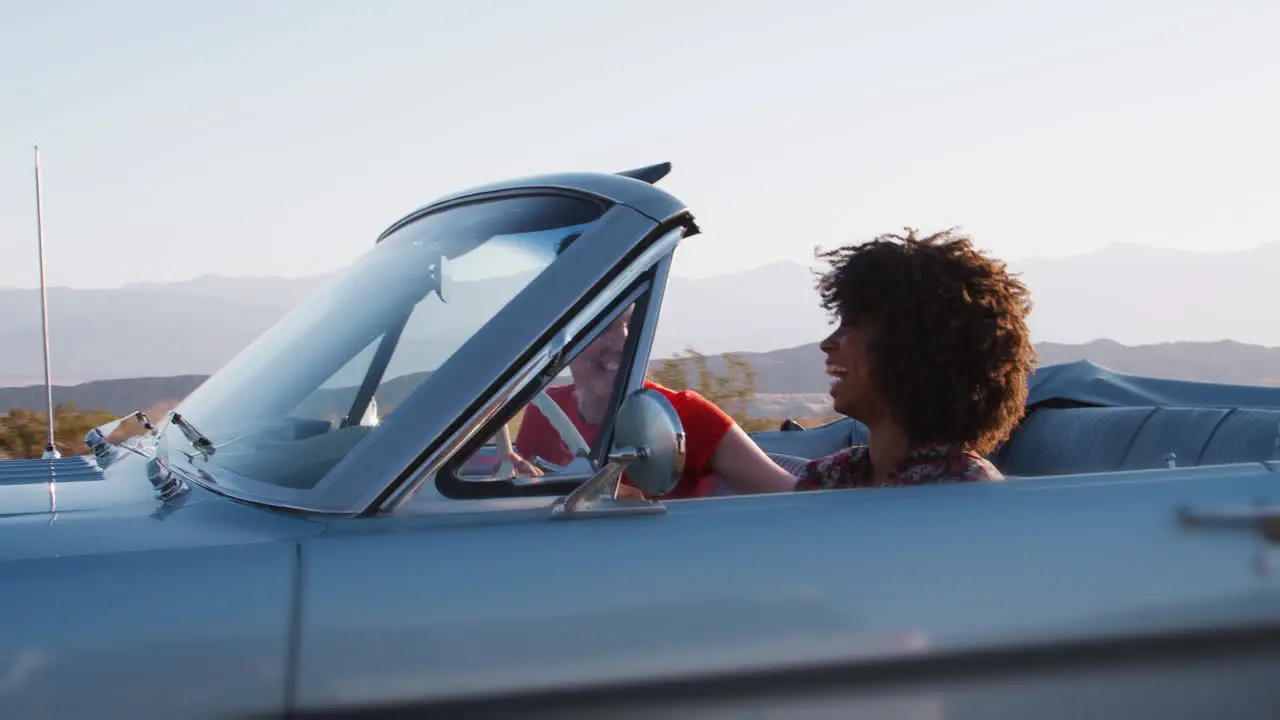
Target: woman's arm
[745,468]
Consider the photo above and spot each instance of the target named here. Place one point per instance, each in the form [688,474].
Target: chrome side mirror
[648,446]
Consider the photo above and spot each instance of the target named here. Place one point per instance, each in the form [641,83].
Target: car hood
[70,506]
[42,487]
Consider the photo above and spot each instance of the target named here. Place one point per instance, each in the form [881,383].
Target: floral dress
[851,468]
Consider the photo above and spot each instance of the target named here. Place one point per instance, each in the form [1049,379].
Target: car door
[421,609]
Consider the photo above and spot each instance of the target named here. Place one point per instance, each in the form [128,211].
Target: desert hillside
[789,382]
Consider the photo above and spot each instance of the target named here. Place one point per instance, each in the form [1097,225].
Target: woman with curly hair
[932,354]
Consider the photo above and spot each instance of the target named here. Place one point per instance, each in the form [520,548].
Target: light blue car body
[215,602]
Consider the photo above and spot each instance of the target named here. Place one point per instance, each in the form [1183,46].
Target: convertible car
[331,524]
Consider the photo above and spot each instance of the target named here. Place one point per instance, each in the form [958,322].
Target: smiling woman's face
[596,367]
[853,393]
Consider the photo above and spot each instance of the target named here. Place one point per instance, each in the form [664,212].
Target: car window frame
[643,280]
[453,487]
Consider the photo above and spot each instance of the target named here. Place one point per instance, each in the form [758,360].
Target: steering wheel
[563,426]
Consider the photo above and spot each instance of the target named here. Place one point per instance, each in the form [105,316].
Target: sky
[249,137]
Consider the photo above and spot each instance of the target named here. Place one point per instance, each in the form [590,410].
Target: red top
[704,427]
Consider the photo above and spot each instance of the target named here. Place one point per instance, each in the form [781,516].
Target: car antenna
[51,449]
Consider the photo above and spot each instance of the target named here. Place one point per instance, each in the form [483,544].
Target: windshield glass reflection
[293,403]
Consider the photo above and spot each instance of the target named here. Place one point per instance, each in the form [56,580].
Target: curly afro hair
[950,350]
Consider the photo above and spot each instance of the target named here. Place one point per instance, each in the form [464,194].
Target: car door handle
[1263,518]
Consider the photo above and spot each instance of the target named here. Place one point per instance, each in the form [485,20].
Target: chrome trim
[611,293]
[639,368]
[167,483]
[106,453]
[202,479]
[464,434]
[198,440]
[1262,518]
[657,253]
[51,448]
[1230,517]
[649,329]
[598,497]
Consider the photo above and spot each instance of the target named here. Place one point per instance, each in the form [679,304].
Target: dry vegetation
[24,433]
[731,390]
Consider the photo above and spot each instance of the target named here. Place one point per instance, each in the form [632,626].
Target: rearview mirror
[443,281]
[648,446]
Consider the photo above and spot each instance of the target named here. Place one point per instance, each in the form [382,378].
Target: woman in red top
[714,443]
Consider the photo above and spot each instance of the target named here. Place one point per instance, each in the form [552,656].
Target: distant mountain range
[790,382]
[1132,294]
[801,369]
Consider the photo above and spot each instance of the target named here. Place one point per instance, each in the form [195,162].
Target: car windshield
[299,398]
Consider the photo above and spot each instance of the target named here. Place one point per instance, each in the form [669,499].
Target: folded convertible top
[1085,383]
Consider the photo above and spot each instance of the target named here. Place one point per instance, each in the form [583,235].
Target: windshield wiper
[198,440]
[106,452]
